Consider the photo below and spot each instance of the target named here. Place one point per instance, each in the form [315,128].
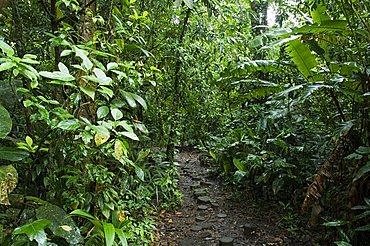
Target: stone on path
[204,199]
[221,215]
[196,228]
[226,241]
[202,207]
[204,234]
[200,218]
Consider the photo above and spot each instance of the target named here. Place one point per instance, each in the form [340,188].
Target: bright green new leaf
[29,141]
[34,231]
[5,122]
[6,48]
[109,233]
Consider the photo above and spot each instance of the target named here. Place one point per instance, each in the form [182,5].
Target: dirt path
[210,213]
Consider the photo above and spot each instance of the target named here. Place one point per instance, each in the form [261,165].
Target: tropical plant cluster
[95,97]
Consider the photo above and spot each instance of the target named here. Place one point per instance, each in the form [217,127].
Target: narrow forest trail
[210,213]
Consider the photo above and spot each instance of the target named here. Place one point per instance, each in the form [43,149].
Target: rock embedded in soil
[202,207]
[204,199]
[204,234]
[249,229]
[226,241]
[221,215]
[214,204]
[196,228]
[200,218]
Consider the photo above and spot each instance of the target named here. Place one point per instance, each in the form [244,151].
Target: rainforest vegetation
[97,97]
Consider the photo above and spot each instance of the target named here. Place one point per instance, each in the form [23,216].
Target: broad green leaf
[130,135]
[5,122]
[302,57]
[63,68]
[109,233]
[240,166]
[189,3]
[363,228]
[130,100]
[86,63]
[88,91]
[112,65]
[34,230]
[6,66]
[100,138]
[69,125]
[118,149]
[140,100]
[121,237]
[65,53]
[9,51]
[86,215]
[61,225]
[142,128]
[363,150]
[139,172]
[102,77]
[362,171]
[325,26]
[12,154]
[106,91]
[126,126]
[62,76]
[102,112]
[116,113]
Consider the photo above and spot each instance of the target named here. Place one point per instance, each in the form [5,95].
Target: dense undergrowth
[88,88]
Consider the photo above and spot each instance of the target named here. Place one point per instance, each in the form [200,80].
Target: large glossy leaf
[12,154]
[102,112]
[57,75]
[109,233]
[5,122]
[34,230]
[6,48]
[302,57]
[86,62]
[69,125]
[61,225]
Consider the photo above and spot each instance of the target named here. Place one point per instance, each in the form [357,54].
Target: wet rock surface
[211,214]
